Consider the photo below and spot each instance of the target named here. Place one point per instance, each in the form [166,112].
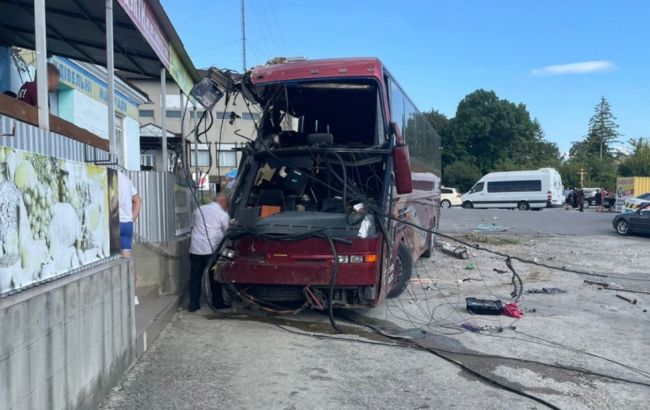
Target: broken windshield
[340,113]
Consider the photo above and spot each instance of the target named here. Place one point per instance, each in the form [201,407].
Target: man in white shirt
[209,226]
[130,204]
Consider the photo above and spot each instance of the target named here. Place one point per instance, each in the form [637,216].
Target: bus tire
[403,270]
[468,205]
[523,206]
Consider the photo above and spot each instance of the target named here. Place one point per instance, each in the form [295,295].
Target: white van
[516,189]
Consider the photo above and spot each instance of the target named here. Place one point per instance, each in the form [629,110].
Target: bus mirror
[401,163]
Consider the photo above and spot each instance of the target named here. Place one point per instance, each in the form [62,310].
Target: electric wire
[401,344]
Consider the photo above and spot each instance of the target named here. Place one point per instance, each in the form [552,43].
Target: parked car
[450,197]
[516,189]
[633,222]
[590,193]
[632,204]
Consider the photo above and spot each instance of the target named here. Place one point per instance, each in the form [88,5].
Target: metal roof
[76,29]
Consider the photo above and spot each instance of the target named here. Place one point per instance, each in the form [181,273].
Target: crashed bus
[340,156]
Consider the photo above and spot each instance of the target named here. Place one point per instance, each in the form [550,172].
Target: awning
[144,37]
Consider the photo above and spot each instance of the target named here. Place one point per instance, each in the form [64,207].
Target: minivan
[523,190]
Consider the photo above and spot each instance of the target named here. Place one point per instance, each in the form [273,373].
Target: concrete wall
[165,265]
[66,343]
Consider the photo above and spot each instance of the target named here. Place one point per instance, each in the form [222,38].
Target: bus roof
[324,68]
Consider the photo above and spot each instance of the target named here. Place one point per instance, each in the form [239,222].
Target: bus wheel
[467,205]
[403,271]
[523,206]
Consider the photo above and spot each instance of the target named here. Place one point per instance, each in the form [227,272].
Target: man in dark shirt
[28,92]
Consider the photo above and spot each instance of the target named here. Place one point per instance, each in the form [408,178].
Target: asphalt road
[555,221]
[202,361]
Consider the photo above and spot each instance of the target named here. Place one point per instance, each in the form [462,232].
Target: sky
[556,57]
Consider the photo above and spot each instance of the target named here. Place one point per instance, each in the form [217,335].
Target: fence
[167,206]
[21,135]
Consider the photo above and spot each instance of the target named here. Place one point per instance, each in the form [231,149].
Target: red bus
[318,183]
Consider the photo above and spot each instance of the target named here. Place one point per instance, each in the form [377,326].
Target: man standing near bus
[209,225]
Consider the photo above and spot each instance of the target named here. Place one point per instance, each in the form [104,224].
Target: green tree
[461,175]
[497,133]
[603,130]
[638,162]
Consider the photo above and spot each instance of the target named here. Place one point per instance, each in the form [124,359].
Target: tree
[603,130]
[594,152]
[461,175]
[497,132]
[638,162]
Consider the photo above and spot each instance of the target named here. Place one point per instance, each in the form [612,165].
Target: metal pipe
[196,146]
[163,116]
[243,37]
[183,157]
[114,146]
[40,34]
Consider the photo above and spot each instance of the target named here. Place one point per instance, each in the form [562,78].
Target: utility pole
[243,37]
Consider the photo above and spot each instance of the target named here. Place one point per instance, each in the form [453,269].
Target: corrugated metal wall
[33,139]
[157,220]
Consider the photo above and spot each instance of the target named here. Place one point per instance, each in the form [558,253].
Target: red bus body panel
[305,262]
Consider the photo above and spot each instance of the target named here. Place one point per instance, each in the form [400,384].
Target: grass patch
[492,240]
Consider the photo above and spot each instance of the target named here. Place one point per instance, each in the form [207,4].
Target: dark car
[633,222]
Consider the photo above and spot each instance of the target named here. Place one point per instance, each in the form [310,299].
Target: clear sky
[556,56]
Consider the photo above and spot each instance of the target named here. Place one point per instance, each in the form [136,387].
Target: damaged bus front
[322,185]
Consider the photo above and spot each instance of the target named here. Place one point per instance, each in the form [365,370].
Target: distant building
[215,154]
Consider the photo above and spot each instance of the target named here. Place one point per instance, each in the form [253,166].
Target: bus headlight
[228,253]
[356,258]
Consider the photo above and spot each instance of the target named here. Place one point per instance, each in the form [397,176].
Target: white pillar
[114,146]
[182,111]
[163,116]
[196,145]
[40,33]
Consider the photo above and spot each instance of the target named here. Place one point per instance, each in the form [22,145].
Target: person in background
[209,225]
[130,204]
[598,200]
[28,93]
[611,198]
[580,199]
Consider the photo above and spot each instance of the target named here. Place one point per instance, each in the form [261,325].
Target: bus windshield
[339,113]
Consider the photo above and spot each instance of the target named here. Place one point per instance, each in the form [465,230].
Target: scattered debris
[490,228]
[484,306]
[512,310]
[632,301]
[592,282]
[548,291]
[500,270]
[471,327]
[468,279]
[458,251]
[614,286]
[470,266]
